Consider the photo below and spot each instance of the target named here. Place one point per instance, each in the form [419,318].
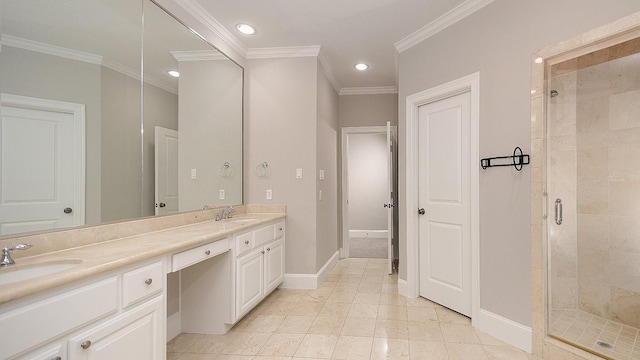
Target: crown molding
[329,72]
[380,90]
[48,49]
[198,55]
[212,24]
[449,18]
[53,50]
[283,52]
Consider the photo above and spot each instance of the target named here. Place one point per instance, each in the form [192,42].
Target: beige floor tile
[373,279]
[393,299]
[358,327]
[335,310]
[363,311]
[353,348]
[346,286]
[246,344]
[354,271]
[276,308]
[370,287]
[317,295]
[350,278]
[341,297]
[425,330]
[486,339]
[281,345]
[317,346]
[173,355]
[233,357]
[390,288]
[466,352]
[427,350]
[449,316]
[327,325]
[182,342]
[504,353]
[208,346]
[265,323]
[459,333]
[420,302]
[392,312]
[421,314]
[367,298]
[390,349]
[194,356]
[391,329]
[293,324]
[306,308]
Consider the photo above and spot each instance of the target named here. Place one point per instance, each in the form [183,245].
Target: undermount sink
[240,220]
[27,272]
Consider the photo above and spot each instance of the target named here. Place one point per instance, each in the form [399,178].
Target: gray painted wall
[327,160]
[498,41]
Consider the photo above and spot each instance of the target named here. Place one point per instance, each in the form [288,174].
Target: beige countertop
[97,258]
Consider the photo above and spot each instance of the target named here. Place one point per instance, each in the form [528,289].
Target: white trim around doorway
[471,84]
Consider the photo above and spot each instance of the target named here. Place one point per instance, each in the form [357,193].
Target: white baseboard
[506,330]
[378,234]
[310,281]
[403,288]
[174,327]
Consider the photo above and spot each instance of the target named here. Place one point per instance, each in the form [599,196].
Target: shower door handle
[558,211]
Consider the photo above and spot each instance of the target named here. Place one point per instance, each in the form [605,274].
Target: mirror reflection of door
[41,158]
[369,175]
[166,171]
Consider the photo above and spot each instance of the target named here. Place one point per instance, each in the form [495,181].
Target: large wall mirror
[94,126]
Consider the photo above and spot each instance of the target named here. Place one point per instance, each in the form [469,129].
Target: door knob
[421,211]
[68,210]
[163,204]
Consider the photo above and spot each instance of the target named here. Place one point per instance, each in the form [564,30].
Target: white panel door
[166,171]
[444,194]
[41,167]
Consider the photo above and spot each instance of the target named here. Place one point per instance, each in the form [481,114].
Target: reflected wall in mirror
[78,115]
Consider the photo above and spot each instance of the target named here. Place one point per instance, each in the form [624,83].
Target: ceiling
[348,31]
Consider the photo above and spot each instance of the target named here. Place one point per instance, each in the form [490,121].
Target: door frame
[78,113]
[346,131]
[471,84]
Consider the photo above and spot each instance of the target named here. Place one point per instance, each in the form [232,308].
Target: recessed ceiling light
[246,29]
[362,66]
[173,73]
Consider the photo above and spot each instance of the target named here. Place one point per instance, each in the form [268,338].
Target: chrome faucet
[226,213]
[6,259]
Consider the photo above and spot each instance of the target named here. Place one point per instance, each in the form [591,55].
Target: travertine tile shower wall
[608,191]
[594,143]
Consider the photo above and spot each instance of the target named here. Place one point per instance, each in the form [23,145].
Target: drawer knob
[263,251]
[57,358]
[208,252]
[280,229]
[148,281]
[246,242]
[85,345]
[268,249]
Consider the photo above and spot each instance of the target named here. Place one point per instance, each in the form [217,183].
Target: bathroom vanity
[108,300]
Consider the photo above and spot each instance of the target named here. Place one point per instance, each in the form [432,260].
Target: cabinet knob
[246,242]
[57,358]
[268,249]
[208,252]
[85,345]
[148,281]
[262,251]
[280,229]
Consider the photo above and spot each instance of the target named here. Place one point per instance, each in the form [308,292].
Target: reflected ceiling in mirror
[77,141]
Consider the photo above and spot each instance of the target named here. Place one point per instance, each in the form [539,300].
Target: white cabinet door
[249,281]
[135,335]
[273,265]
[49,352]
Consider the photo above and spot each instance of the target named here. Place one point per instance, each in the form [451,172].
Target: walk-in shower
[593,200]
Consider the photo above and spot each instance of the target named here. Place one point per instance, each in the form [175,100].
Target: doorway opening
[369,189]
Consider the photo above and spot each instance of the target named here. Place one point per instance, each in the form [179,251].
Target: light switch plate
[299,173]
[321,175]
[221,194]
[269,194]
[193,174]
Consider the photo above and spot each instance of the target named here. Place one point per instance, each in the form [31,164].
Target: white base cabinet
[259,266]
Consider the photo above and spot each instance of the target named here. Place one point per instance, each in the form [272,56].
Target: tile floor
[586,330]
[356,314]
[368,248]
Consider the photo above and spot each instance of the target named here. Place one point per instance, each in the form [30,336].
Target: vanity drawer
[187,258]
[244,243]
[57,315]
[263,235]
[141,283]
[278,230]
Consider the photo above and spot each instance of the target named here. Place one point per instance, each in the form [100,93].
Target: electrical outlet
[320,195]
[269,194]
[221,194]
[193,174]
[299,173]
